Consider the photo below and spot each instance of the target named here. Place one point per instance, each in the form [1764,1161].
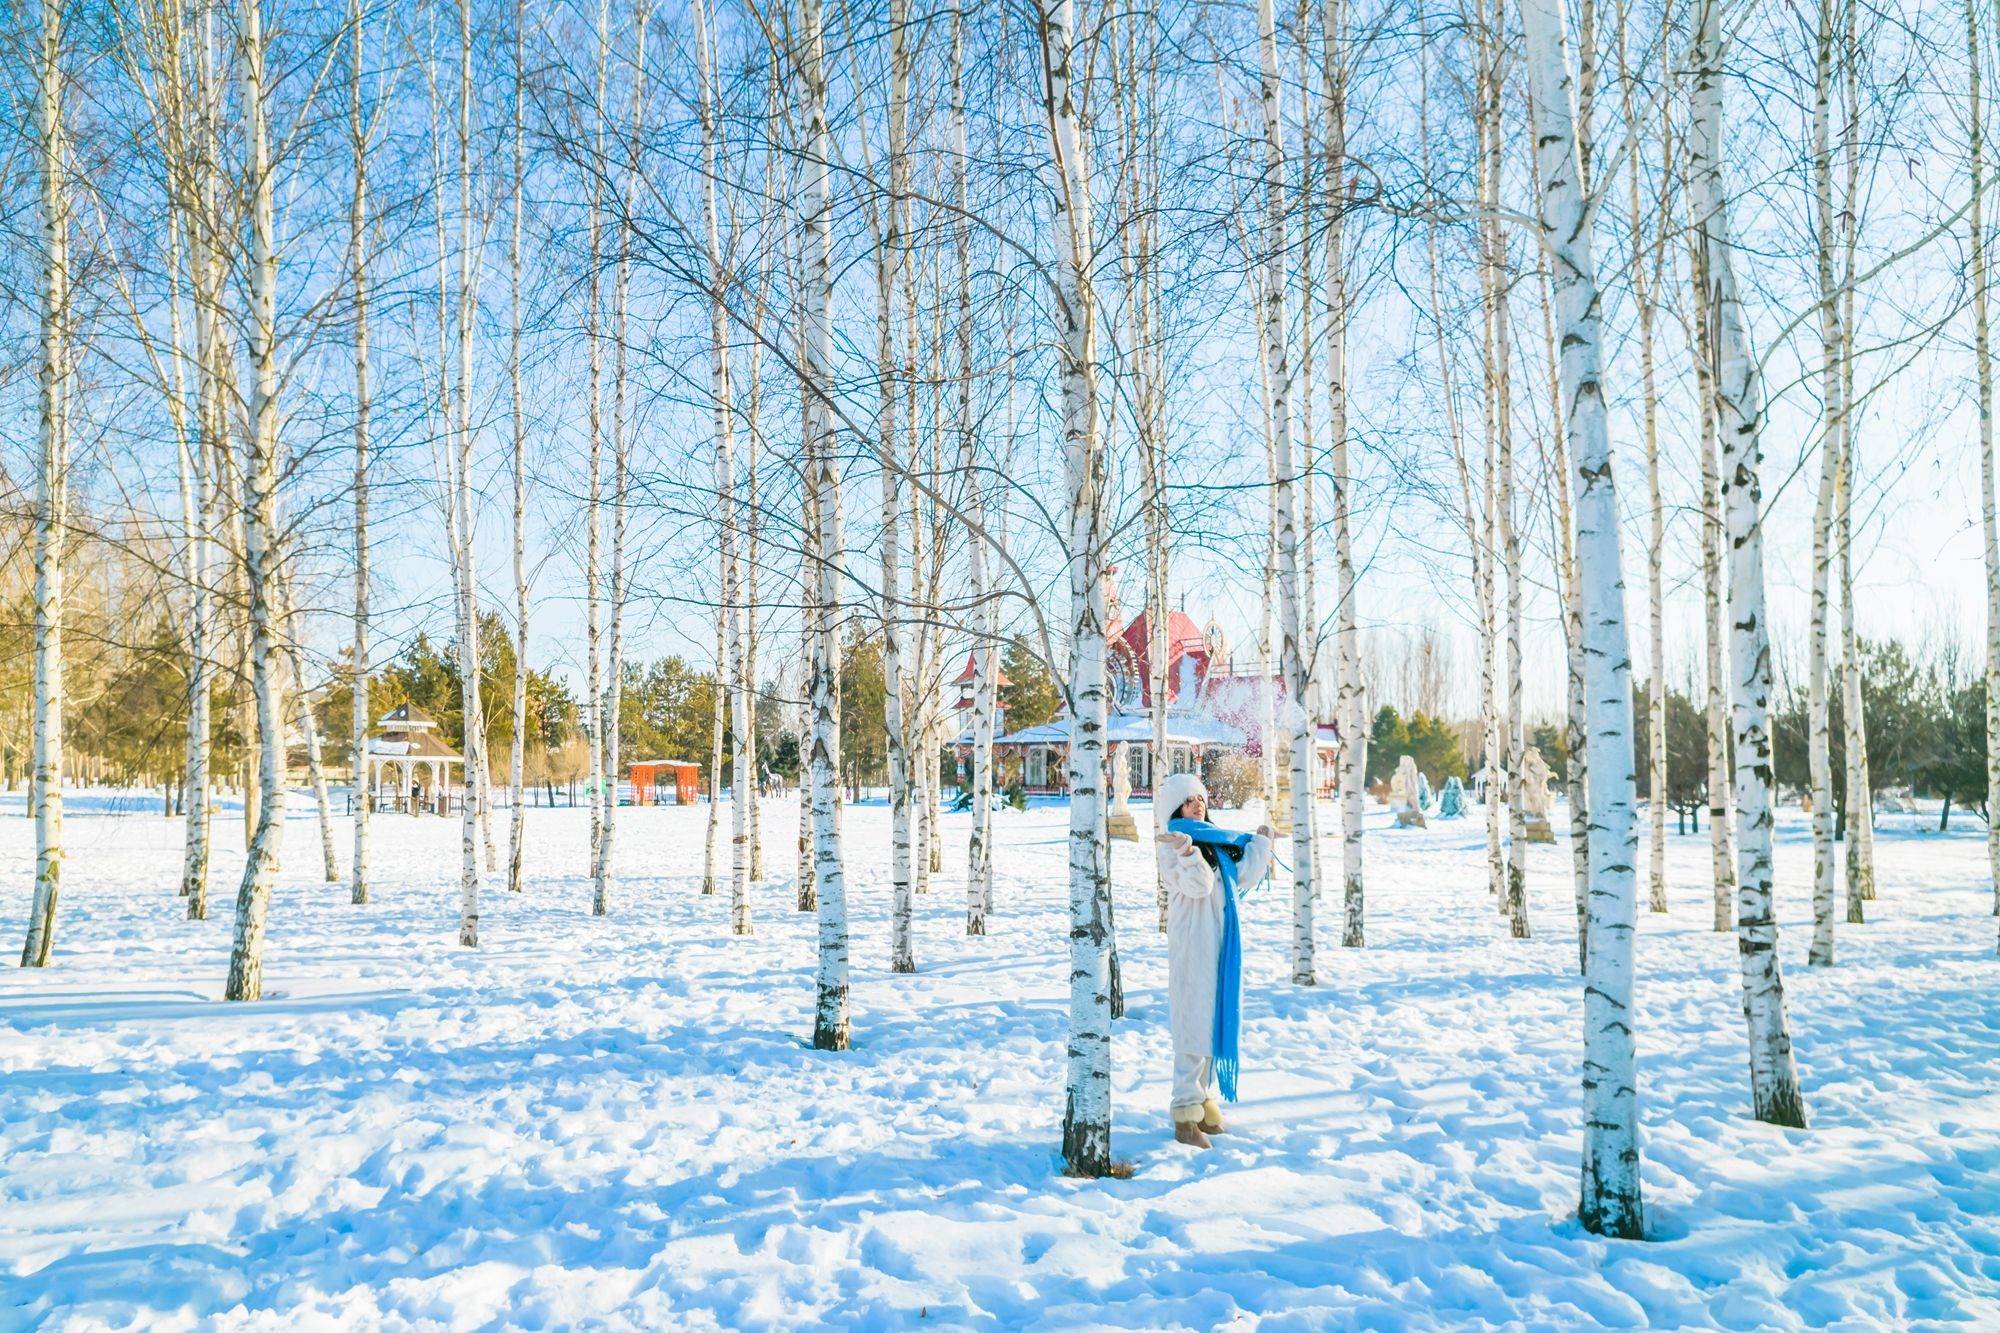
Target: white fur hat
[1176,790]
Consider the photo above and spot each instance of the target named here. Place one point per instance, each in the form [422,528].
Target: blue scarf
[1223,849]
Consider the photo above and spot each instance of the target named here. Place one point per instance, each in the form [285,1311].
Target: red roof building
[964,678]
[1189,657]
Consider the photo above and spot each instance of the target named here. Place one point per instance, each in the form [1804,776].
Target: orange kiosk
[654,780]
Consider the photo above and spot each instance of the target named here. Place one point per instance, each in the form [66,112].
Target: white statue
[1405,793]
[1534,784]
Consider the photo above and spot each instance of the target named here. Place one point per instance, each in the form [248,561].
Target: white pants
[1191,1096]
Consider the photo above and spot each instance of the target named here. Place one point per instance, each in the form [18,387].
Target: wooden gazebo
[406,742]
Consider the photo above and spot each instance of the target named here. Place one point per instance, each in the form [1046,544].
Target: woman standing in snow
[1204,868]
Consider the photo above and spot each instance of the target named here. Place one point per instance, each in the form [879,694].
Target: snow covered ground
[615,1122]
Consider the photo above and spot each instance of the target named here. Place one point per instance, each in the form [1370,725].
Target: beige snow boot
[1189,1133]
[1211,1118]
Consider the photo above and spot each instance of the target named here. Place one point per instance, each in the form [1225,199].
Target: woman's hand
[1180,842]
[1264,831]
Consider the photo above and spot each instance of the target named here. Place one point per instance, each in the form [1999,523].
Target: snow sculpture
[1451,799]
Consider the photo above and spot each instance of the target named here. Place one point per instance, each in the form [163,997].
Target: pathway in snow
[615,1120]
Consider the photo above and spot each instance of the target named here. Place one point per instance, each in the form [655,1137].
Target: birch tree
[51,482]
[1087,1099]
[1721,811]
[730,673]
[1774,1083]
[985,674]
[1506,749]
[1832,442]
[888,225]
[594,498]
[1488,92]
[359,720]
[621,481]
[1611,1203]
[260,515]
[1351,707]
[1860,791]
[1989,520]
[517,418]
[1298,718]
[830,1009]
[464,565]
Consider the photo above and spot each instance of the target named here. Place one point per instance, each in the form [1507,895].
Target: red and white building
[1211,710]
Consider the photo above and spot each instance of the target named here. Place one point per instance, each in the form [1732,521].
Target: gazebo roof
[405,717]
[412,745]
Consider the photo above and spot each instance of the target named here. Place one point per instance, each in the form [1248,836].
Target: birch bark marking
[1774,1082]
[1297,720]
[260,536]
[1611,1203]
[51,488]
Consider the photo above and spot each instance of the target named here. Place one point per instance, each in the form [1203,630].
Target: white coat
[1194,936]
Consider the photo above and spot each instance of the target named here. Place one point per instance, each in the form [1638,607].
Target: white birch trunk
[1989,519]
[260,520]
[718,724]
[830,1009]
[517,416]
[1489,89]
[1860,800]
[1739,410]
[1860,791]
[730,675]
[621,478]
[1515,883]
[1350,708]
[359,716]
[316,775]
[889,243]
[978,849]
[1818,667]
[594,502]
[1298,719]
[1611,1203]
[1721,811]
[1087,1094]
[468,592]
[51,486]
